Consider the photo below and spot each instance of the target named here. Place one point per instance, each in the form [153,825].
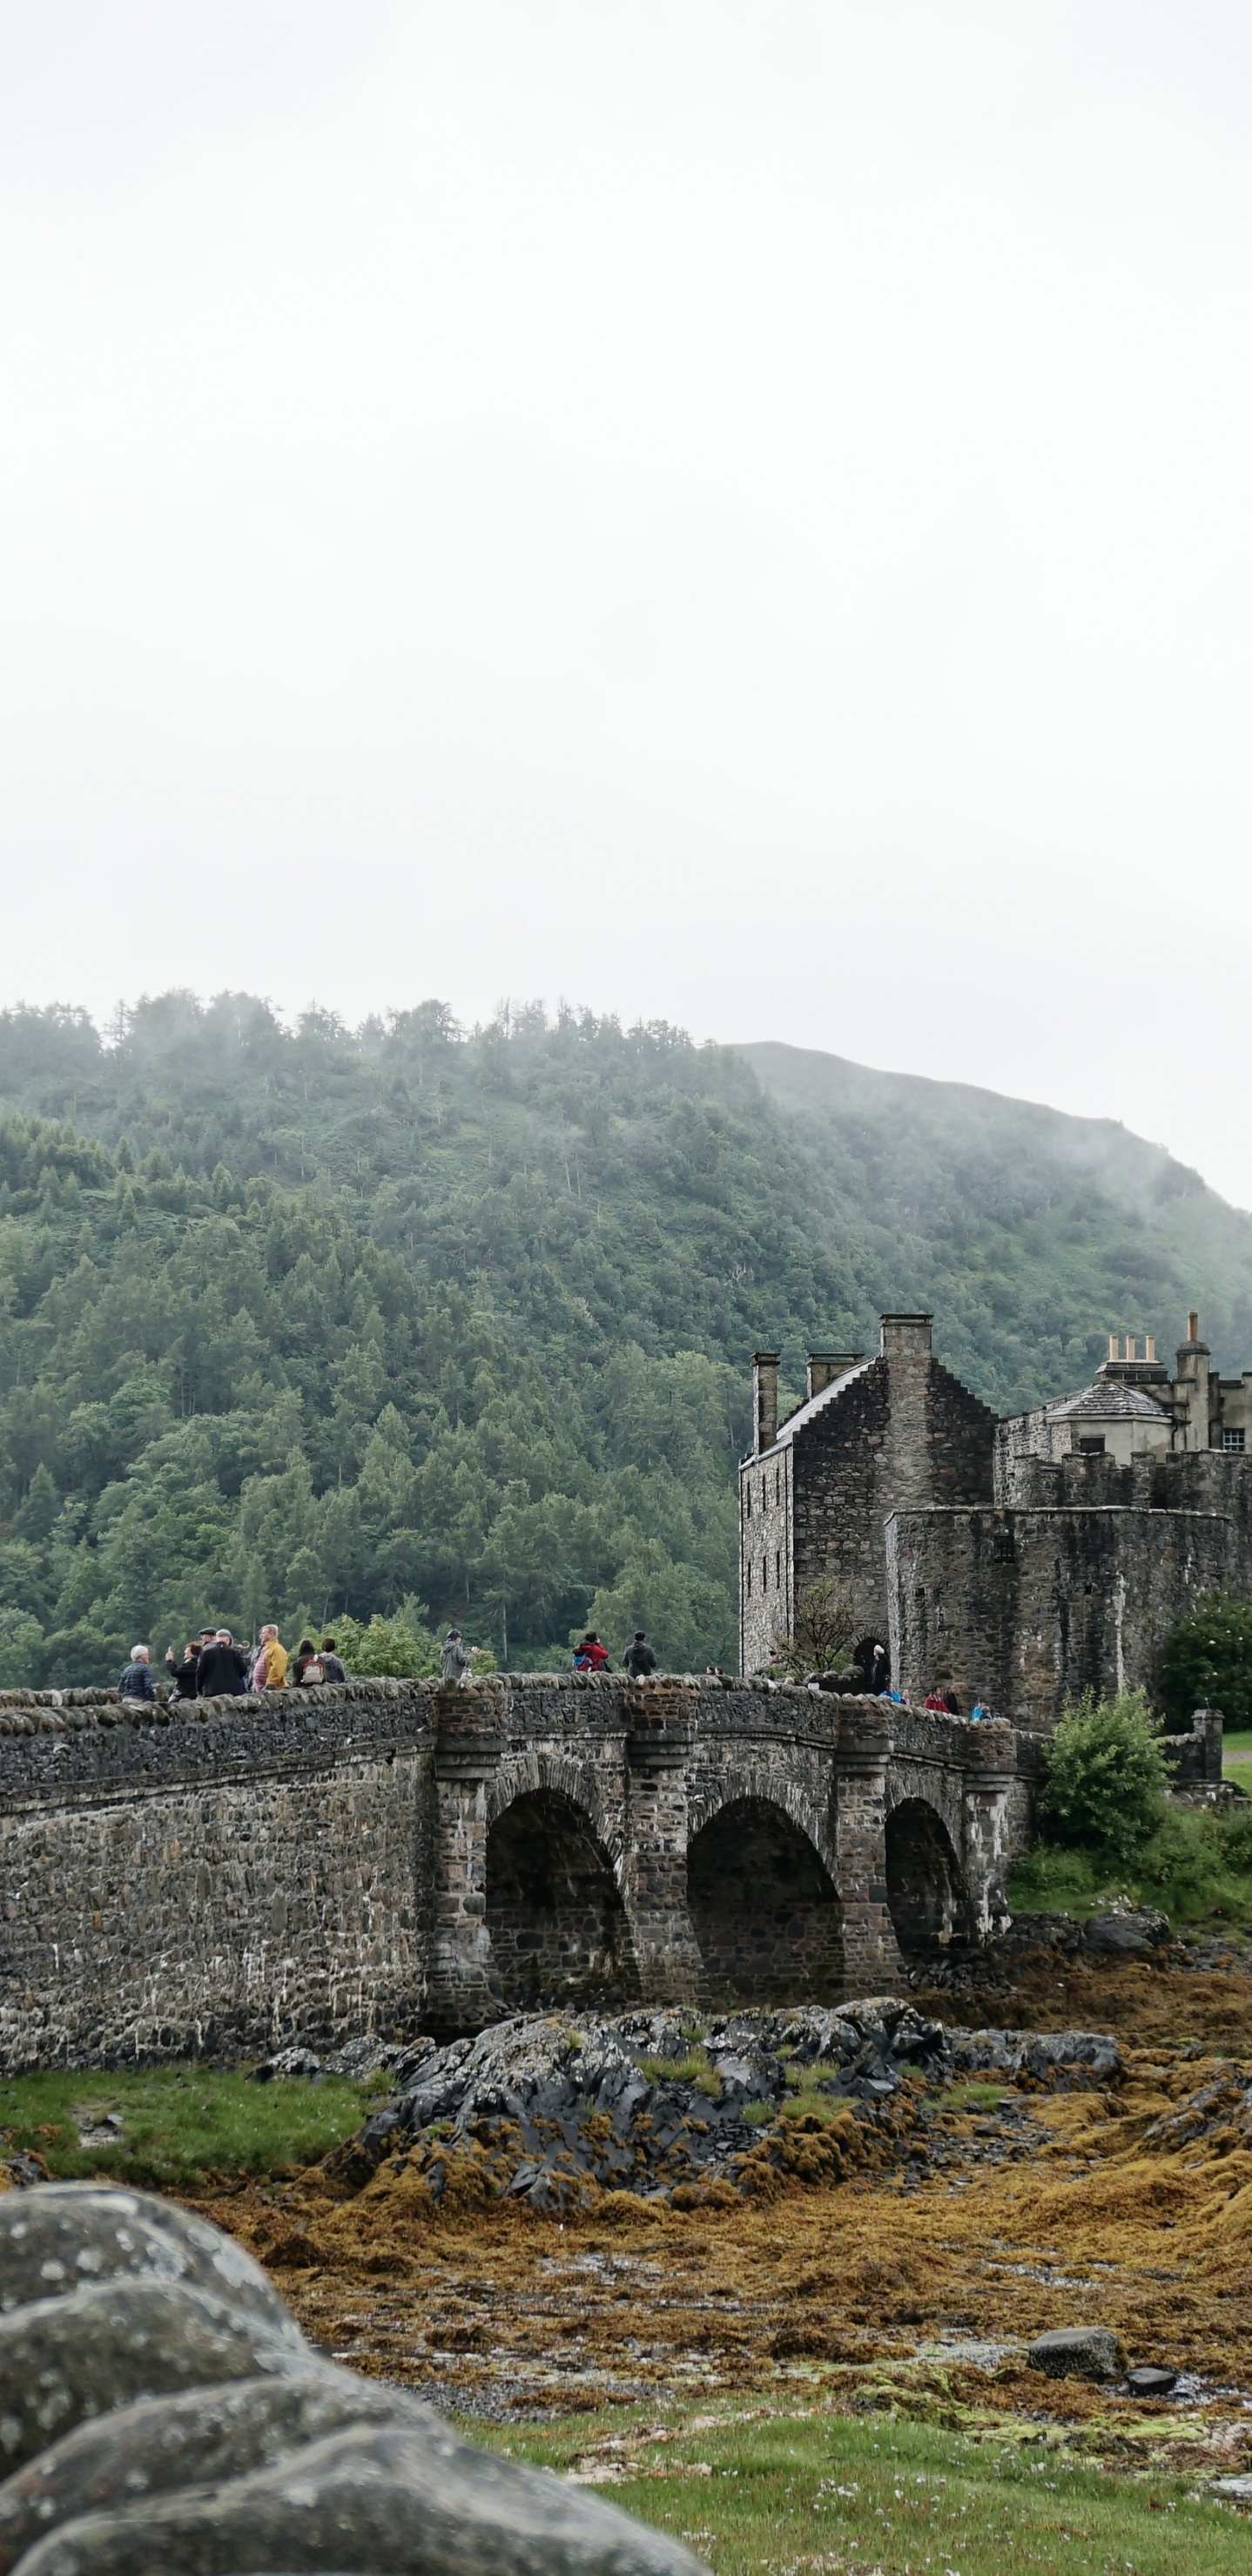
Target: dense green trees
[1209,1660]
[407,1323]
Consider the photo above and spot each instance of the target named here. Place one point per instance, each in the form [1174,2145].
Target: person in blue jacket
[136,1681]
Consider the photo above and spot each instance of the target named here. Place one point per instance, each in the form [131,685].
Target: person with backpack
[639,1659]
[589,1655]
[307,1666]
[456,1659]
[334,1668]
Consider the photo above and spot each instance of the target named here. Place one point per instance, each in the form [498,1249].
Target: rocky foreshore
[555,2110]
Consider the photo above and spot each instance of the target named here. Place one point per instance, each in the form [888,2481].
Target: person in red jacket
[590,1656]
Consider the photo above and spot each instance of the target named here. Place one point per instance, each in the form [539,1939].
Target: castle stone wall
[899,1431]
[1028,1608]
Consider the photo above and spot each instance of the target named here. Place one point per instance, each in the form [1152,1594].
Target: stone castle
[1019,1562]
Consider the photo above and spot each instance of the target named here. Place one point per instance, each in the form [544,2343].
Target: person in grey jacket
[638,1658]
[455,1657]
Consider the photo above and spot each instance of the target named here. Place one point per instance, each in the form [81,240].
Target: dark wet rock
[67,2235]
[1058,1932]
[1220,2110]
[1062,2060]
[288,2062]
[368,2499]
[201,2437]
[1126,1932]
[366,2057]
[62,2359]
[558,2106]
[1150,2381]
[1076,2352]
[25,2170]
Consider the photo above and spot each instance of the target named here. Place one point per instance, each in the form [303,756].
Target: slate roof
[1108,1400]
[804,1413]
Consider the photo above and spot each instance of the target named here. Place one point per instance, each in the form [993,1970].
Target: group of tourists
[591,1655]
[945,1700]
[217,1665]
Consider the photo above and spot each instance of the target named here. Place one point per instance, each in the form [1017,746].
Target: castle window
[749,1574]
[1092,1448]
[747,1490]
[778,1569]
[765,1574]
[1235,1440]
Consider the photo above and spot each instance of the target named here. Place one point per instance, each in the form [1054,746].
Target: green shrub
[1209,1658]
[1196,1863]
[1105,1776]
[399,1646]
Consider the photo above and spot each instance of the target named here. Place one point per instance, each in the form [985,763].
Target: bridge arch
[554,1910]
[926,1891]
[763,1907]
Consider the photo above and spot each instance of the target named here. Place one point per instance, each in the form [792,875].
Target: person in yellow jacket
[270,1670]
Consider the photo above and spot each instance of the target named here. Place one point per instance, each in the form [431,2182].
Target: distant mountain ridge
[1028,1230]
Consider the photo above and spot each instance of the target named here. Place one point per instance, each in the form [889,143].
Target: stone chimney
[1192,1428]
[764,1400]
[906,1336]
[825,1365]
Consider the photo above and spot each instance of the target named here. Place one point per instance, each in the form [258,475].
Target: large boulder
[1077,2352]
[368,2499]
[204,2435]
[1126,1932]
[73,2234]
[156,2423]
[83,2354]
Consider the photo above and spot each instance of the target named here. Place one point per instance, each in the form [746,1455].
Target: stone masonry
[872,1437]
[1018,1563]
[223,1875]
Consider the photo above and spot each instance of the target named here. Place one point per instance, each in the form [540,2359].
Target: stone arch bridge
[684,1840]
[393,1856]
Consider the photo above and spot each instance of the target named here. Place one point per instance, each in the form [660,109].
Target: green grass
[1197,1864]
[693,2069]
[826,2492]
[179,2123]
[974,2097]
[1237,1742]
[807,2099]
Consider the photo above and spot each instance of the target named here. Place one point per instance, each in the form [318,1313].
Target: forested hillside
[299,1322]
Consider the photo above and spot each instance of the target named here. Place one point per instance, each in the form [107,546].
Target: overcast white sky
[726,510]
